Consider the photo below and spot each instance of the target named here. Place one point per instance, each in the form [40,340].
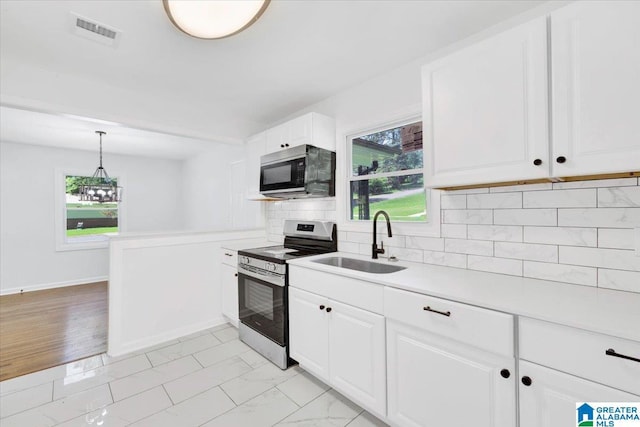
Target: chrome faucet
[374,248]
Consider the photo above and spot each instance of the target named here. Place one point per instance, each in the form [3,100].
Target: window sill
[85,242]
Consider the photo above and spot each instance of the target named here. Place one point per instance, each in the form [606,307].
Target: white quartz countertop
[606,311]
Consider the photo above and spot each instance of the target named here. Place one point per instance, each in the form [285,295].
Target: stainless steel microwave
[298,172]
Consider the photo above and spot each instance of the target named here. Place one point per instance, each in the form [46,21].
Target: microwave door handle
[288,155]
[286,190]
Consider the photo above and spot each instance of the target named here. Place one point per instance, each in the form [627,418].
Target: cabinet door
[230,293]
[300,130]
[596,87]
[357,362]
[309,332]
[485,111]
[435,381]
[277,137]
[551,398]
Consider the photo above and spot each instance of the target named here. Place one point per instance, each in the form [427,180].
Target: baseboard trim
[43,286]
[119,349]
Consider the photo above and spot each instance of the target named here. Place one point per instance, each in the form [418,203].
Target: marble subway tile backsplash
[573,232]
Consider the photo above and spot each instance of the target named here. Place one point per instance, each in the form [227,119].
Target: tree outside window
[87,220]
[387,174]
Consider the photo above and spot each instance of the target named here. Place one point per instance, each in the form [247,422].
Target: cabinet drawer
[358,293]
[229,257]
[478,327]
[581,353]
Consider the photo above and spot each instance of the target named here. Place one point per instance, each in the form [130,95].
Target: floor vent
[93,30]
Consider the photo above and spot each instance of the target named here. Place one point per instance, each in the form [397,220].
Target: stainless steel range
[263,281]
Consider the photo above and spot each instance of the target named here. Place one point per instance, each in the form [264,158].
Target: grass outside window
[386,174]
[86,219]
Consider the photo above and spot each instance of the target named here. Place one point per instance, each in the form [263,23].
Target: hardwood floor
[47,328]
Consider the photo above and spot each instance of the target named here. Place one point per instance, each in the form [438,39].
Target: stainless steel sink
[360,265]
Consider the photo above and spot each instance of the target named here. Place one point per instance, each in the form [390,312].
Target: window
[386,174]
[86,219]
[82,224]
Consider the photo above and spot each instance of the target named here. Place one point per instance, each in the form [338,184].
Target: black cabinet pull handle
[321,307]
[329,309]
[444,313]
[526,381]
[286,145]
[281,145]
[228,254]
[561,159]
[612,352]
[505,373]
[537,162]
[236,274]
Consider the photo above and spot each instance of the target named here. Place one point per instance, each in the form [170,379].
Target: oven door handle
[259,277]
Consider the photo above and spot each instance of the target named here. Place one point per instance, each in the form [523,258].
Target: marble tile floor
[206,379]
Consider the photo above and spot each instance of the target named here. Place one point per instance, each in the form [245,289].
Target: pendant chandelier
[100,187]
[213,19]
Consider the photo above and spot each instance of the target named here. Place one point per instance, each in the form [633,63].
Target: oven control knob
[270,266]
[246,260]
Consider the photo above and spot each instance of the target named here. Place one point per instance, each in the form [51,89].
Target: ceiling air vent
[93,30]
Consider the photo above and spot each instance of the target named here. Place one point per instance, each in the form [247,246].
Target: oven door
[263,307]
[283,176]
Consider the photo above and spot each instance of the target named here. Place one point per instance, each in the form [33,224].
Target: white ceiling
[298,53]
[64,131]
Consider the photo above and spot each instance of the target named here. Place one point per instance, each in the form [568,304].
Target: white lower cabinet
[357,355]
[448,364]
[342,345]
[551,396]
[229,286]
[434,381]
[561,366]
[418,361]
[309,332]
[230,293]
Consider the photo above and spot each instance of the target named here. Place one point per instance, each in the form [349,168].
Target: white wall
[207,189]
[28,256]
[151,302]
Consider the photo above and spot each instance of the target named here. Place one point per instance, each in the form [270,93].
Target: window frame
[60,222]
[429,228]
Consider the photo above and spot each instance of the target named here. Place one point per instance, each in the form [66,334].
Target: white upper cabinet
[487,107]
[595,70]
[311,128]
[485,110]
[277,138]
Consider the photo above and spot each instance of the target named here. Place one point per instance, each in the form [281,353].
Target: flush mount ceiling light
[100,187]
[213,19]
